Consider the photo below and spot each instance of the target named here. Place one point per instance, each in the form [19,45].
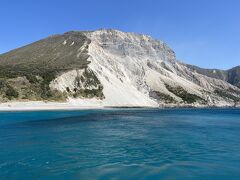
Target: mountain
[232,75]
[113,68]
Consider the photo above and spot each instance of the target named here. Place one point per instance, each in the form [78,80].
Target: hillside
[113,67]
[232,75]
[29,70]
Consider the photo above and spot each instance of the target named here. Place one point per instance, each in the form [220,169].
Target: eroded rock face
[139,62]
[78,83]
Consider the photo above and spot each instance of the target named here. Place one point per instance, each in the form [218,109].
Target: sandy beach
[76,104]
[71,104]
[40,105]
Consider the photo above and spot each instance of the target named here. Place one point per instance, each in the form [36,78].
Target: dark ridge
[231,76]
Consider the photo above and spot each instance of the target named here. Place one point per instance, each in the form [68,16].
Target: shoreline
[43,106]
[61,106]
[91,105]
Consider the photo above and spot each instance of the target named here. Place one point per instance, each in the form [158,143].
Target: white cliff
[131,66]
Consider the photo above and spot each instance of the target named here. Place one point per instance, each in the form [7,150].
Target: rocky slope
[232,75]
[114,68]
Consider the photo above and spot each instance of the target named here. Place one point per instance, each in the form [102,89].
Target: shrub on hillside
[11,93]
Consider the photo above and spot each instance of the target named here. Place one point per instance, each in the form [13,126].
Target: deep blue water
[121,144]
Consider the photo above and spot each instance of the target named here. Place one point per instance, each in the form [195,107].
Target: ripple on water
[125,144]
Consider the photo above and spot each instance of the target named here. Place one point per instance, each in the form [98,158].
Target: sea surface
[121,144]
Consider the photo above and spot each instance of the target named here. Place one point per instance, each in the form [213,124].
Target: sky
[205,33]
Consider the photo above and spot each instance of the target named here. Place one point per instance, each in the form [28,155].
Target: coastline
[45,106]
[58,106]
[85,105]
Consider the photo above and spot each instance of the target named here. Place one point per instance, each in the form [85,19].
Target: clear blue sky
[201,32]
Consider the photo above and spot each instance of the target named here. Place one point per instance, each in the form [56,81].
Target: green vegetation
[21,89]
[85,84]
[39,63]
[89,93]
[161,96]
[11,93]
[184,95]
[225,94]
[2,84]
[35,86]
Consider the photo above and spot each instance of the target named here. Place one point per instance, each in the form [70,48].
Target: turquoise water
[121,144]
